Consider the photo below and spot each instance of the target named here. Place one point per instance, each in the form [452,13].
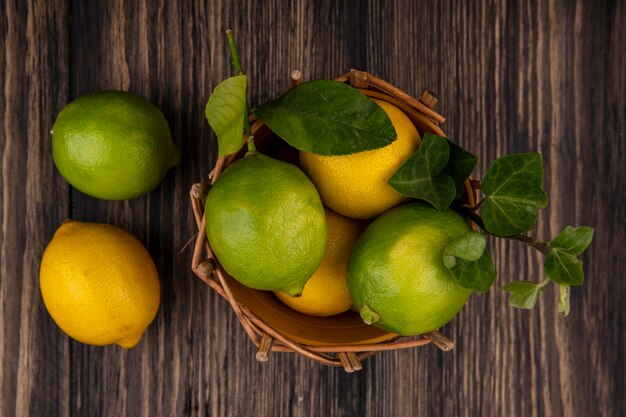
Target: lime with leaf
[396,275]
[513,196]
[264,218]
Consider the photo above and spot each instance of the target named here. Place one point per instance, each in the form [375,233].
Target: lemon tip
[129,342]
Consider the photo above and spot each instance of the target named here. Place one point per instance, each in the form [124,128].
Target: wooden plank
[122,45]
[34,353]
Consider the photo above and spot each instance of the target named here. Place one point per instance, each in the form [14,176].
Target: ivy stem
[233,52]
[478,205]
[540,245]
[544,283]
[237,64]
[537,244]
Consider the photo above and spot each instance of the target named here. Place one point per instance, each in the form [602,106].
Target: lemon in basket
[396,274]
[99,284]
[266,225]
[356,185]
[113,145]
[326,292]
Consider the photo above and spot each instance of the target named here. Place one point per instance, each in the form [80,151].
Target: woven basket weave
[271,326]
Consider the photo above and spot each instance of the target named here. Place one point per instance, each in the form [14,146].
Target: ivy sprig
[513,196]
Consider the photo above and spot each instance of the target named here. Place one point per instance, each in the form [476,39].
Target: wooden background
[511,77]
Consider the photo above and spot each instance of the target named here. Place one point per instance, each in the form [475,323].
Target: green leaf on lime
[523,293]
[421,175]
[327,117]
[475,274]
[513,194]
[226,112]
[468,247]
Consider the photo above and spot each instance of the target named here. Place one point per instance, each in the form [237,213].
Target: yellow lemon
[99,284]
[326,292]
[356,185]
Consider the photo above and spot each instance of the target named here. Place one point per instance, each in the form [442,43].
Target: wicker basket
[342,340]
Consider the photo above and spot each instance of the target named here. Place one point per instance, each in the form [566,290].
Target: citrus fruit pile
[339,237]
[98,281]
[362,220]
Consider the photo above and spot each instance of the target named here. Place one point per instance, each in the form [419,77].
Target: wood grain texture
[34,355]
[510,77]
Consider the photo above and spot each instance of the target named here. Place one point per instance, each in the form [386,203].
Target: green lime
[113,145]
[396,274]
[266,225]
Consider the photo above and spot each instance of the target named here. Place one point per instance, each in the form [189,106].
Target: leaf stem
[251,146]
[473,216]
[237,64]
[543,283]
[233,52]
[537,244]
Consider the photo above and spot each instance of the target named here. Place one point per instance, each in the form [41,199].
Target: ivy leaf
[468,247]
[476,275]
[563,268]
[226,112]
[513,194]
[563,306]
[469,262]
[327,117]
[460,165]
[421,175]
[562,264]
[523,293]
[573,240]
